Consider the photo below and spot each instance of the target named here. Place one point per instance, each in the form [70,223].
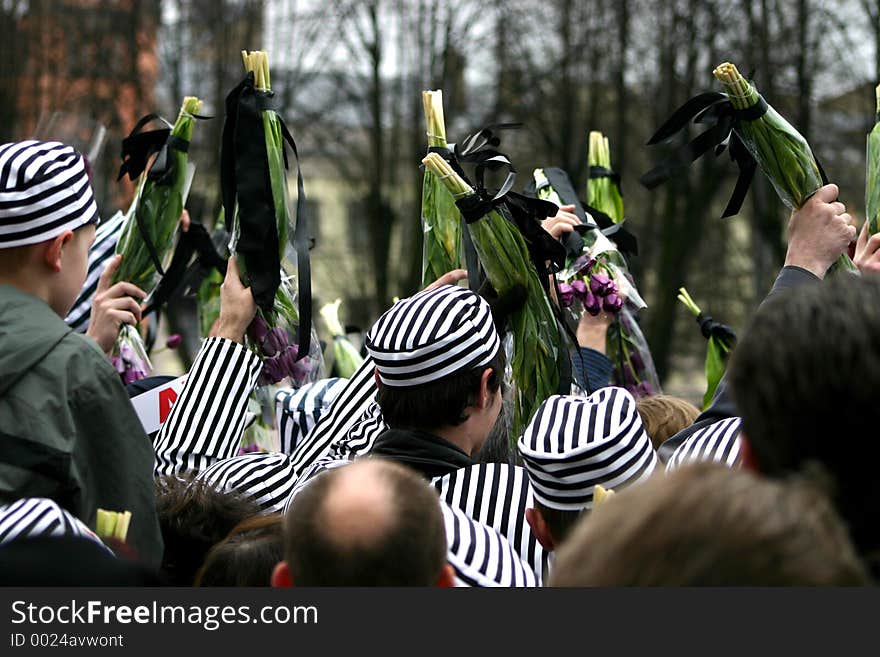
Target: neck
[462,436]
[33,285]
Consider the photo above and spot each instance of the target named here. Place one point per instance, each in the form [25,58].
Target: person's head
[194,517]
[47,220]
[574,444]
[439,361]
[247,556]
[663,416]
[708,525]
[804,377]
[373,523]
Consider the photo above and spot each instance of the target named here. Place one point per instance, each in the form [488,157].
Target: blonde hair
[663,416]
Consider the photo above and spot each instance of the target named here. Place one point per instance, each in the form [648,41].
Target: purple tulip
[271,372]
[566,295]
[275,341]
[173,341]
[587,268]
[592,304]
[579,288]
[601,284]
[257,330]
[287,360]
[629,376]
[250,449]
[612,303]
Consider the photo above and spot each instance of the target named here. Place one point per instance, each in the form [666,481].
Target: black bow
[526,213]
[713,109]
[710,328]
[139,146]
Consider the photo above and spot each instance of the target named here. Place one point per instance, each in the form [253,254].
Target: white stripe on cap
[719,443]
[432,335]
[574,443]
[44,190]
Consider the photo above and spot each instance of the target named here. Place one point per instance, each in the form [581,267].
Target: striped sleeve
[33,517]
[297,411]
[352,402]
[719,442]
[496,495]
[207,420]
[103,248]
[480,555]
[267,479]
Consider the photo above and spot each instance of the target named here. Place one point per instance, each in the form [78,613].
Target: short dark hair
[707,525]
[409,551]
[439,403]
[194,516]
[805,377]
[247,556]
[560,523]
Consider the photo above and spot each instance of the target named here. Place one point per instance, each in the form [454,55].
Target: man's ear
[540,529]
[376,376]
[281,576]
[484,398]
[54,248]
[747,456]
[447,577]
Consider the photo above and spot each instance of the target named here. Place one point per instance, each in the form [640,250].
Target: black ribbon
[715,110]
[196,241]
[604,172]
[710,328]
[244,176]
[480,151]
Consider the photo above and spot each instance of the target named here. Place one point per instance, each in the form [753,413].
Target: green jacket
[67,428]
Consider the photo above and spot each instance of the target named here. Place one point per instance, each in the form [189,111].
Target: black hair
[247,556]
[439,403]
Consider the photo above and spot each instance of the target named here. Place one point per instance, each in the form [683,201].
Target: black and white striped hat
[432,335]
[44,190]
[574,443]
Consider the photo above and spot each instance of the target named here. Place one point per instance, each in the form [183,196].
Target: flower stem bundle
[441,220]
[505,258]
[148,236]
[602,191]
[872,178]
[779,149]
[721,340]
[112,524]
[272,334]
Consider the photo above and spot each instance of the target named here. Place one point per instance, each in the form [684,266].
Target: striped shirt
[34,517]
[101,251]
[719,442]
[497,495]
[207,420]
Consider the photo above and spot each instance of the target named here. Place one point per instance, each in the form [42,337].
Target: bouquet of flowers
[872,178]
[256,210]
[147,237]
[721,339]
[441,220]
[505,259]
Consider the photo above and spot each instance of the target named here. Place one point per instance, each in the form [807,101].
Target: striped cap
[432,335]
[574,443]
[44,190]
